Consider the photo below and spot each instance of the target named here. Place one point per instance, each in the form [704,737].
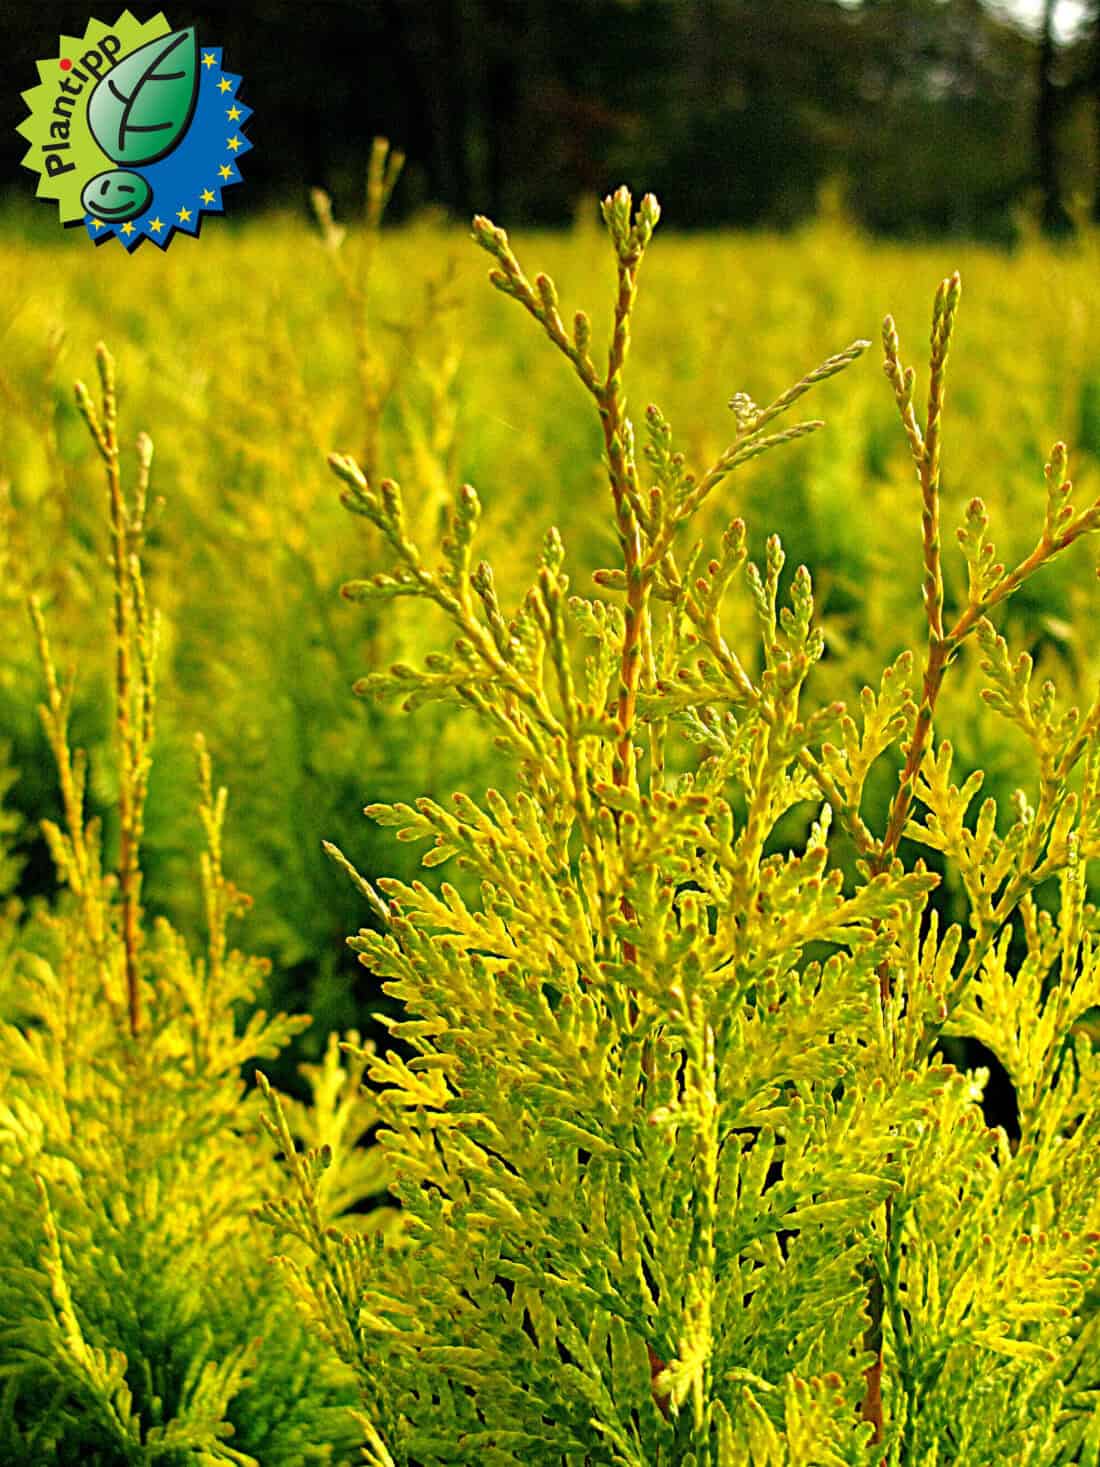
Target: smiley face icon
[116,195]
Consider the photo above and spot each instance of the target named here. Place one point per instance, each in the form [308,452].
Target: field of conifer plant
[128,1331]
[239,358]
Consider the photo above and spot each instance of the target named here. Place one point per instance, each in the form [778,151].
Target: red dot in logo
[66,64]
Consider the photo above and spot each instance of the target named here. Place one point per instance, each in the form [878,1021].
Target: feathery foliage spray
[684,1177]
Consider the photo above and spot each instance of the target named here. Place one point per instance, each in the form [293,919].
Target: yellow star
[183,215]
[156,225]
[226,171]
[225,85]
[97,224]
[128,227]
[233,142]
[208,59]
[233,113]
[206,196]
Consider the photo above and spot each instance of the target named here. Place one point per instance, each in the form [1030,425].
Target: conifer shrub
[139,1320]
[684,1176]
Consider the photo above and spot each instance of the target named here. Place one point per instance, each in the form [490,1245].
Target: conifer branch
[134,637]
[135,645]
[377,905]
[988,586]
[925,448]
[630,234]
[383,171]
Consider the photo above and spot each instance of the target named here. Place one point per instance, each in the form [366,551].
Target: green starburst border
[83,151]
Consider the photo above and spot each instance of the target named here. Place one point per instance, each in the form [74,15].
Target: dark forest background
[935,115]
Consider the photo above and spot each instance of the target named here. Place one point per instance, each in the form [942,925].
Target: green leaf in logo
[142,107]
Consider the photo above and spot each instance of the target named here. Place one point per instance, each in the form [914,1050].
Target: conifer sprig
[630,234]
[925,449]
[989,585]
[751,441]
[998,874]
[376,389]
[136,636]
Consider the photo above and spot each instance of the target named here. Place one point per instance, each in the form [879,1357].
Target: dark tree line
[940,114]
[1066,82]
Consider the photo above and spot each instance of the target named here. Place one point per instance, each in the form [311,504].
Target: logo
[135,130]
